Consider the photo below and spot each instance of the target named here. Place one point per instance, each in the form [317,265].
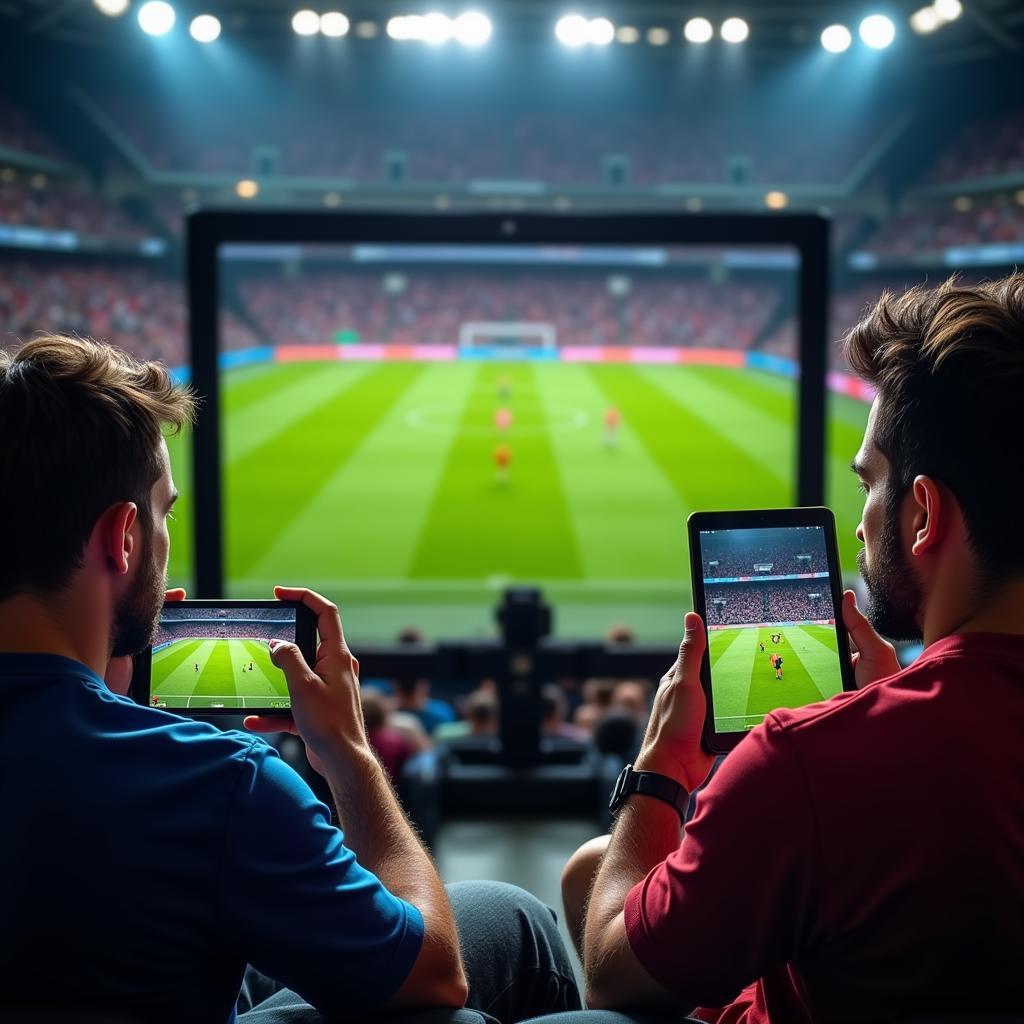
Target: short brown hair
[80,424]
[948,365]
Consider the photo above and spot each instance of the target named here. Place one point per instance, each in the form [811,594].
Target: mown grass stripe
[479,527]
[270,488]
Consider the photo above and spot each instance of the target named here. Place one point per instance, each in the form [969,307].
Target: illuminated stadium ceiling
[986,28]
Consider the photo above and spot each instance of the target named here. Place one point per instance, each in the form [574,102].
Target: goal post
[475,334]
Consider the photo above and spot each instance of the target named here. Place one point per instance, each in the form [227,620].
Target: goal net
[510,335]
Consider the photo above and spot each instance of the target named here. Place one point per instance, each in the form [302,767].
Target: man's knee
[579,871]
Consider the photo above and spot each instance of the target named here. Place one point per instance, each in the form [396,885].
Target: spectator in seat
[391,746]
[190,874]
[412,696]
[862,858]
[597,698]
[555,714]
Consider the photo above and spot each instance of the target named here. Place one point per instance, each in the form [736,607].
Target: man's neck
[36,625]
[1000,612]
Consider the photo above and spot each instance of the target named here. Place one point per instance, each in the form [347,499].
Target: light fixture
[38,180]
[776,200]
[367,30]
[156,18]
[836,38]
[205,28]
[573,30]
[735,30]
[877,31]
[437,28]
[658,36]
[306,23]
[334,24]
[601,31]
[948,10]
[627,34]
[247,189]
[332,199]
[473,28]
[925,21]
[963,204]
[113,8]
[698,30]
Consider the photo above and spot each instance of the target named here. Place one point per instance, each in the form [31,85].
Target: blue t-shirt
[146,858]
[435,713]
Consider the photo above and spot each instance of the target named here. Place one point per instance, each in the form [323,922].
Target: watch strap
[654,784]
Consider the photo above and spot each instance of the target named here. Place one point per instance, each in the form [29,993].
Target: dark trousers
[516,963]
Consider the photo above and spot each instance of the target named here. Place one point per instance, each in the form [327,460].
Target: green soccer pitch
[215,674]
[743,681]
[375,483]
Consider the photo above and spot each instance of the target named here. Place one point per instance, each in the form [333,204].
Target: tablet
[212,657]
[768,587]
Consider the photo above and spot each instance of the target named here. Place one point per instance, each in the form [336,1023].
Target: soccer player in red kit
[612,422]
[502,460]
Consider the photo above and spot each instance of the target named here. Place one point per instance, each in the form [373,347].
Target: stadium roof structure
[986,28]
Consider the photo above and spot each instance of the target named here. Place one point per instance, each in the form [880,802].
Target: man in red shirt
[860,859]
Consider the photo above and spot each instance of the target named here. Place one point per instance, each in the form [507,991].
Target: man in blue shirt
[147,858]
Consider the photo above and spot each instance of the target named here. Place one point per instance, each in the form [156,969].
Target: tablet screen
[771,622]
[217,658]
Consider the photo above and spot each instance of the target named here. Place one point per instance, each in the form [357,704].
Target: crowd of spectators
[65,207]
[923,231]
[259,623]
[780,550]
[19,132]
[741,604]
[985,147]
[430,308]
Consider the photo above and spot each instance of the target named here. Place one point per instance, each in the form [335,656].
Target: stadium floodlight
[398,27]
[836,38]
[698,30]
[601,31]
[334,24]
[205,28]
[627,34]
[658,36]
[573,30]
[776,200]
[156,18]
[437,28]
[247,189]
[735,30]
[948,10]
[112,8]
[925,21]
[473,28]
[877,31]
[306,23]
[367,30]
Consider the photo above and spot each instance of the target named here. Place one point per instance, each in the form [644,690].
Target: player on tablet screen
[612,422]
[502,458]
[778,666]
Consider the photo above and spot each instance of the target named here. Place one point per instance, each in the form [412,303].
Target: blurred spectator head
[482,714]
[618,734]
[598,692]
[411,690]
[632,697]
[375,708]
[619,635]
[554,707]
[586,717]
[411,636]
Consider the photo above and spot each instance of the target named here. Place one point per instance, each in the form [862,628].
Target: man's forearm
[378,832]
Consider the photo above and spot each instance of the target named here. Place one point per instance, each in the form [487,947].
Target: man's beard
[138,612]
[894,595]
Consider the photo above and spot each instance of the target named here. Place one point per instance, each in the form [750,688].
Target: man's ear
[931,513]
[118,542]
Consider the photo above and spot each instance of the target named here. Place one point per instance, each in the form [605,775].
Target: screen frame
[207,230]
[305,639]
[716,742]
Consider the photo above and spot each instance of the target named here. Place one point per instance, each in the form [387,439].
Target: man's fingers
[288,658]
[328,621]
[175,594]
[269,723]
[862,633]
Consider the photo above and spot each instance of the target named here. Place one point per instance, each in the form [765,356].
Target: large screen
[771,622]
[419,426]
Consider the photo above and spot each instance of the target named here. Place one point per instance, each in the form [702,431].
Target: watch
[649,784]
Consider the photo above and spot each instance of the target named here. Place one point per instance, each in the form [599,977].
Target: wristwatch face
[619,792]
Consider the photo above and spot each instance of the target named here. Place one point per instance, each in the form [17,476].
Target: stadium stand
[783,557]
[984,147]
[20,133]
[66,207]
[431,309]
[740,604]
[911,233]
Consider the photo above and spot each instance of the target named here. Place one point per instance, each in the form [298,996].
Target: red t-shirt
[392,748]
[859,859]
